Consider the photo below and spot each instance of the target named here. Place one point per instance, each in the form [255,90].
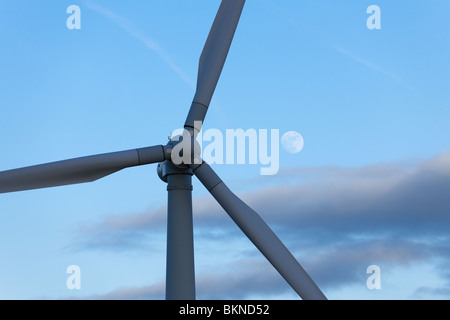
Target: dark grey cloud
[256,276]
[389,199]
[336,220]
[149,292]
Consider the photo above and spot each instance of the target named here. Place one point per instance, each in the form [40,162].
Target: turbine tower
[180,274]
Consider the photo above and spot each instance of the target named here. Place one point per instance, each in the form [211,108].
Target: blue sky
[369,187]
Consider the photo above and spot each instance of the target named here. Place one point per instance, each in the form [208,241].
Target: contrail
[370,65]
[145,39]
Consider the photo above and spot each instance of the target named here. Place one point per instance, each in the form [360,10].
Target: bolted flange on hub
[167,168]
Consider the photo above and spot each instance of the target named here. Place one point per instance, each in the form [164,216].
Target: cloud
[150,292]
[335,220]
[426,292]
[142,37]
[385,199]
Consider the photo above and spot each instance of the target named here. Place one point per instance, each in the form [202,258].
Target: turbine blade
[213,59]
[260,234]
[79,170]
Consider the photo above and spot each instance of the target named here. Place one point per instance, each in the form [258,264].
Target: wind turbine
[180,274]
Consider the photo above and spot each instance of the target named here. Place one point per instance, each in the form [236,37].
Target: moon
[292,142]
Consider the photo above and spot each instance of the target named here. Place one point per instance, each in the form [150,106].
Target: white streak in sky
[145,39]
[370,65]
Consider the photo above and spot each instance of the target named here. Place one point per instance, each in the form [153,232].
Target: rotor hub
[182,151]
